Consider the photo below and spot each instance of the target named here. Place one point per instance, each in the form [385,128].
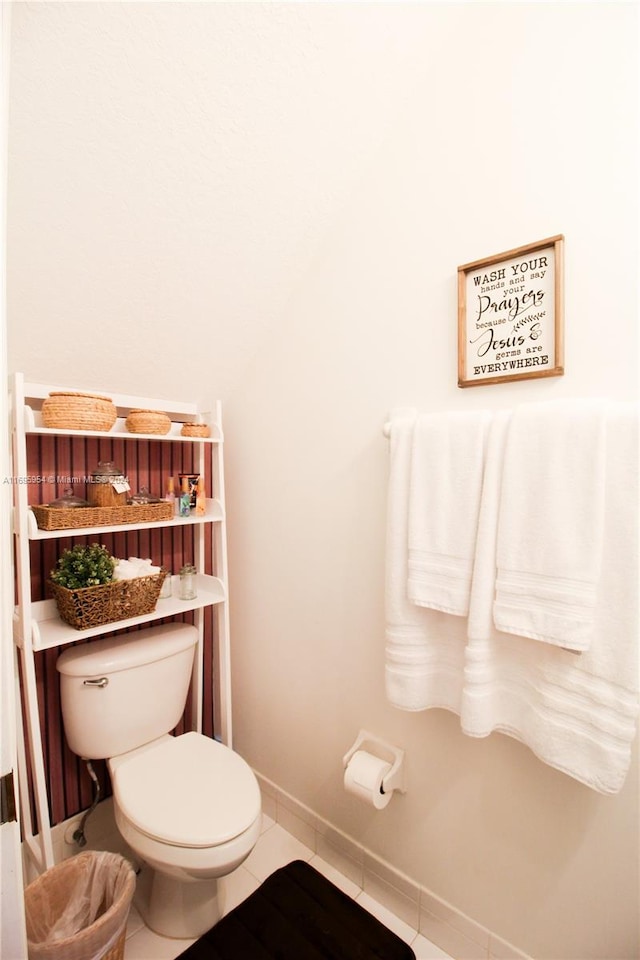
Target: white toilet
[188,805]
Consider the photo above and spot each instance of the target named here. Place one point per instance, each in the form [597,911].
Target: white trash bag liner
[78,910]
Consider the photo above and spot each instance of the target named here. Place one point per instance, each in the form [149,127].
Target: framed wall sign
[510,315]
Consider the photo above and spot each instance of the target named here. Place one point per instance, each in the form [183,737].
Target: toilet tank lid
[112,654]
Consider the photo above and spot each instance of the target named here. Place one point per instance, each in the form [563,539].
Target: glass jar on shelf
[187,588]
[108,487]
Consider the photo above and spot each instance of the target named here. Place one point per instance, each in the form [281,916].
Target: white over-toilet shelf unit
[38,627]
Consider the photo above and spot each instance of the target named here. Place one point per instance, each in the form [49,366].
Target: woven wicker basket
[47,897]
[71,518]
[148,421]
[118,600]
[195,430]
[78,411]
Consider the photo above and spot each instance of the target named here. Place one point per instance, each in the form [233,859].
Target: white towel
[577,714]
[134,567]
[424,654]
[550,523]
[445,487]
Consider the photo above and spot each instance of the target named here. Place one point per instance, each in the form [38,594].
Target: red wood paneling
[56,463]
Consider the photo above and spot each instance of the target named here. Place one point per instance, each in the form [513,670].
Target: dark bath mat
[297,914]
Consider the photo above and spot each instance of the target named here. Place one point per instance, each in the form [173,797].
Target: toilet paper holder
[394,779]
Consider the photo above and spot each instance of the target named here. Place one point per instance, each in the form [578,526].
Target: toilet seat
[187,791]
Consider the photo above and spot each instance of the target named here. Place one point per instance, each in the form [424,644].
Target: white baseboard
[438,921]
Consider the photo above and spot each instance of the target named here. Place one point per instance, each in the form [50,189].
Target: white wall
[527,131]
[174,167]
[474,129]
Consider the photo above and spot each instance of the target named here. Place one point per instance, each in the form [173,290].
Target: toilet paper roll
[363,778]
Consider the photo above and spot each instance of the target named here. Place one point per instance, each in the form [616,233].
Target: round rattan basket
[148,421]
[195,430]
[78,411]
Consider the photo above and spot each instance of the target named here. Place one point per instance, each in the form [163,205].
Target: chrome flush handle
[102,682]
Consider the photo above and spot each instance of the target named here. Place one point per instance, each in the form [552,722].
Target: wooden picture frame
[510,315]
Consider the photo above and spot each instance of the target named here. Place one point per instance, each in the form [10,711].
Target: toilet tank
[147,676]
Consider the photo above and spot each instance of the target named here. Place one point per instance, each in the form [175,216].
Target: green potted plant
[81,567]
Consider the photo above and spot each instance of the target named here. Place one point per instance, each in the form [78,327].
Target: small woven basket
[49,896]
[70,518]
[109,602]
[78,411]
[195,430]
[148,421]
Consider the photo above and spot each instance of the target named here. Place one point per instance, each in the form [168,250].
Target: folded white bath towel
[446,482]
[576,713]
[550,522]
[424,653]
[134,567]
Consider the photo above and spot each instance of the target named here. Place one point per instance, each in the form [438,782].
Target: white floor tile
[425,950]
[236,887]
[267,822]
[134,921]
[275,848]
[399,927]
[147,945]
[337,879]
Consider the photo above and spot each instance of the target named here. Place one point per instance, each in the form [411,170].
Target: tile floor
[274,849]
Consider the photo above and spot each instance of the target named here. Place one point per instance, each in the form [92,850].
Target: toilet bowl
[187,805]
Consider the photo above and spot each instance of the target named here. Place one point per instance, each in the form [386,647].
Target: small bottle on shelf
[201,500]
[171,493]
[185,499]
